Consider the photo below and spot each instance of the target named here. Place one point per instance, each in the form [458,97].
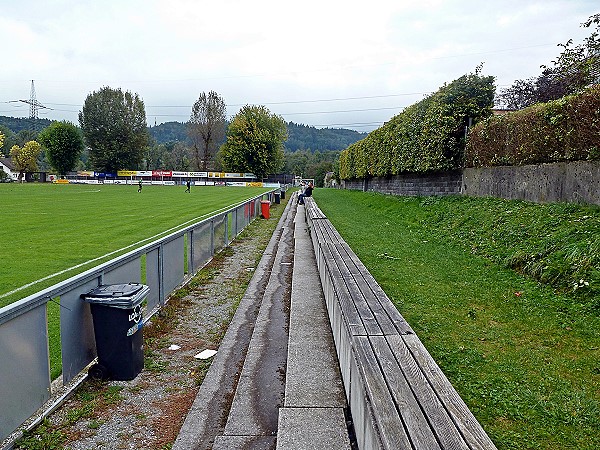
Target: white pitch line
[33,283]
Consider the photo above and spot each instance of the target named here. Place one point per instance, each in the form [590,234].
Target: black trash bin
[277,197]
[117,315]
[283,193]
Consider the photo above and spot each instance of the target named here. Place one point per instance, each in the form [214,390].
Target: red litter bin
[264,208]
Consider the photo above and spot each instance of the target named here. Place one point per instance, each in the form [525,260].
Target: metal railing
[25,372]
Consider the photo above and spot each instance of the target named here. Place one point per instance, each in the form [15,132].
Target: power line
[340,99]
[342,111]
[289,102]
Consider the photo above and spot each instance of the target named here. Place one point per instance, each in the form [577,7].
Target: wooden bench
[398,396]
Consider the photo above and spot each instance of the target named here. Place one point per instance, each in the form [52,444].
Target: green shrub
[427,136]
[561,130]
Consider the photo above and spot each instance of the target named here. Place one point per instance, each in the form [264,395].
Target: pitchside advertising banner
[173,174]
[165,177]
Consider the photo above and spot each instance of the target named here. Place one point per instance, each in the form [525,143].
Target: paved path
[274,382]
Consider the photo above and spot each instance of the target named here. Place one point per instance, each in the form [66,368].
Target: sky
[325,63]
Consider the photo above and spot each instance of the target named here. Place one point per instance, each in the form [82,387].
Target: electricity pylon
[34,105]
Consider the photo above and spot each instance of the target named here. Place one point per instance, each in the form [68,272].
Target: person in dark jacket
[307,193]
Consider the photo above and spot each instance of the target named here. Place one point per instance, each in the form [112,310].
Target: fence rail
[25,372]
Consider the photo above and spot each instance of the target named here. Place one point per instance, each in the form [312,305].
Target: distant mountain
[300,137]
[16,124]
[169,132]
[304,137]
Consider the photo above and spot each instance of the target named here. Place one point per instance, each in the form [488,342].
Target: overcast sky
[326,63]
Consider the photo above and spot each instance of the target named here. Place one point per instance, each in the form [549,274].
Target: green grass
[50,228]
[524,354]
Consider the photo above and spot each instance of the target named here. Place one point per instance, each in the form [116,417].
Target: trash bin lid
[117,295]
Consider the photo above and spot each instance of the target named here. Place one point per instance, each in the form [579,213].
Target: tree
[7,141]
[63,144]
[155,157]
[179,157]
[254,142]
[311,164]
[206,127]
[25,158]
[24,136]
[576,68]
[114,127]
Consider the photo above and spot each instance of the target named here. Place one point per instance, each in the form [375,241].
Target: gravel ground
[147,412]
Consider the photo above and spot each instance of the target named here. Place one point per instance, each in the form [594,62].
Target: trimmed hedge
[567,129]
[428,136]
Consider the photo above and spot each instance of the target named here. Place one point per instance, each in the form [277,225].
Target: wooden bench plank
[355,295]
[401,398]
[391,430]
[312,209]
[472,431]
[386,317]
[389,318]
[407,402]
[399,322]
[437,416]
[348,309]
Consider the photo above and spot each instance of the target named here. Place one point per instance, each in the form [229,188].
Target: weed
[95,424]
[43,437]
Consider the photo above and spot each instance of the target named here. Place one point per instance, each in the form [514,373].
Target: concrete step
[287,390]
[313,412]
[208,415]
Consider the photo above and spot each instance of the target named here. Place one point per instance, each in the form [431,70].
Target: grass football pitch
[49,228]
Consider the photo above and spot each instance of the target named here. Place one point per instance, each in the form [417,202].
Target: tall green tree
[577,67]
[25,158]
[254,142]
[8,140]
[63,144]
[114,127]
[206,127]
[155,157]
[179,157]
[311,164]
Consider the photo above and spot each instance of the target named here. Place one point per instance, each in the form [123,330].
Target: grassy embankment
[504,294]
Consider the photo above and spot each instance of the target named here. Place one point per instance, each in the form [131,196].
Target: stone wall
[577,181]
[412,185]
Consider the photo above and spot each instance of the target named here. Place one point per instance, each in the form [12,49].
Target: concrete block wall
[577,181]
[412,185]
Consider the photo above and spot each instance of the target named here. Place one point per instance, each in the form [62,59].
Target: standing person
[187,186]
[307,193]
[140,185]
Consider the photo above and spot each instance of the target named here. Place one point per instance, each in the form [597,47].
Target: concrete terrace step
[275,381]
[313,413]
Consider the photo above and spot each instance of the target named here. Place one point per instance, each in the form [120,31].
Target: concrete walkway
[275,381]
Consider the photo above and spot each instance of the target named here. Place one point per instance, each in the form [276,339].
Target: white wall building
[9,168]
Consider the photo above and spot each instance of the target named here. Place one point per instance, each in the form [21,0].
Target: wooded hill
[300,137]
[16,124]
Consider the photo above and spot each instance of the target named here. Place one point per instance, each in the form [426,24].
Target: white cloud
[272,51]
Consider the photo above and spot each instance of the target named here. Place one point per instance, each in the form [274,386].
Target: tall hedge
[567,129]
[428,136]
